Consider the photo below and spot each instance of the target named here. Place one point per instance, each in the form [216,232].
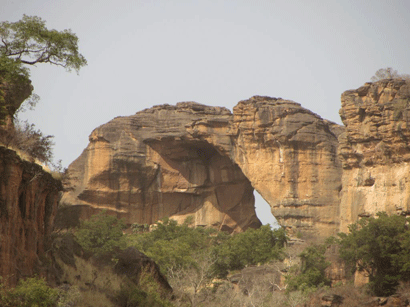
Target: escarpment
[28,205]
[375,150]
[192,159]
[28,196]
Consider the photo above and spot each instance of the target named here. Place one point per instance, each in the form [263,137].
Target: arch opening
[263,211]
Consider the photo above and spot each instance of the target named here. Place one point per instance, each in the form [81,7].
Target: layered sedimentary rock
[28,205]
[289,154]
[191,159]
[147,166]
[375,150]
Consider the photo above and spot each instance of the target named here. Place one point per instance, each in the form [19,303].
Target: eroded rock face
[191,159]
[375,150]
[289,154]
[148,166]
[28,205]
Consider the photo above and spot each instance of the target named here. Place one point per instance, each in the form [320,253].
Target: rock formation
[148,166]
[28,196]
[289,154]
[28,205]
[375,150]
[192,159]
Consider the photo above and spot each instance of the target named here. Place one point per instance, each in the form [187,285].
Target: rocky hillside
[192,159]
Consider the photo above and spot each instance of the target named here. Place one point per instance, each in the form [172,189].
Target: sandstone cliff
[147,166]
[375,150]
[192,159]
[28,204]
[289,154]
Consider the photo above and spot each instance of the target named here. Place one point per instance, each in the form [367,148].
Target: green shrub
[173,246]
[31,292]
[102,235]
[380,248]
[254,246]
[311,274]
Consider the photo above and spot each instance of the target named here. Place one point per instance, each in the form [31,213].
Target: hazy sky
[145,53]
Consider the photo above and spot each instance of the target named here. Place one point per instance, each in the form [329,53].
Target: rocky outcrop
[375,150]
[28,205]
[148,166]
[134,264]
[289,154]
[13,91]
[192,159]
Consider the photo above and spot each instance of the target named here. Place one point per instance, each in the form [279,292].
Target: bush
[102,235]
[311,274]
[254,246]
[32,292]
[173,246]
[26,138]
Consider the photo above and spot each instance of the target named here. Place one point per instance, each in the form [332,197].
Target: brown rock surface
[375,150]
[289,154]
[183,160]
[28,204]
[147,166]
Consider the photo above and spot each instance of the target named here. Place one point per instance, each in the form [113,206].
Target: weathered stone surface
[28,204]
[289,154]
[147,166]
[192,159]
[375,150]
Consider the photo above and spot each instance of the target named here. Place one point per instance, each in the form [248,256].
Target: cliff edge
[375,151]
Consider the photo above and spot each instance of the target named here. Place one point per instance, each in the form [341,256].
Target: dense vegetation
[379,247]
[200,263]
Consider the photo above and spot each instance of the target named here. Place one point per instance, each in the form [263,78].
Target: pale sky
[145,53]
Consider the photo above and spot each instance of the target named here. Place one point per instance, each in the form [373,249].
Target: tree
[101,235]
[311,274]
[252,247]
[28,41]
[379,247]
[388,73]
[174,246]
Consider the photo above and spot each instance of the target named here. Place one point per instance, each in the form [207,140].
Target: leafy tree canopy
[173,246]
[102,235]
[28,41]
[28,293]
[380,248]
[254,246]
[311,274]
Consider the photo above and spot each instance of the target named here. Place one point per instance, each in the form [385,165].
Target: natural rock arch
[192,159]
